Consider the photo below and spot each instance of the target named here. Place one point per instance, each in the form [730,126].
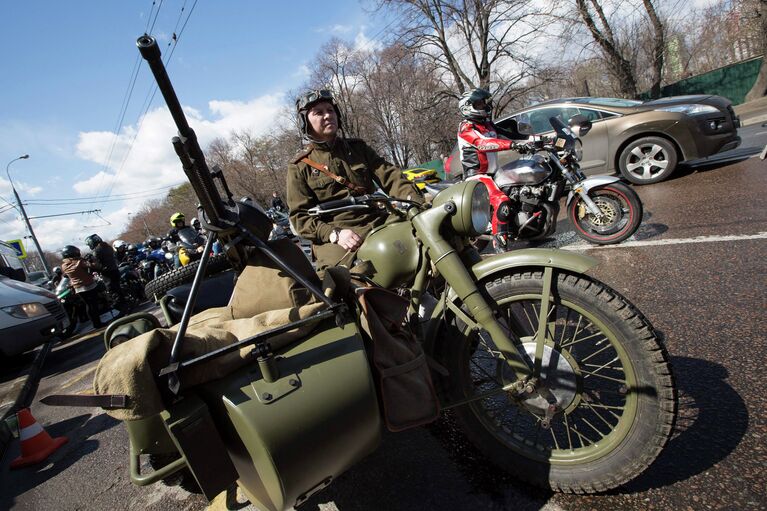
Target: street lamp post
[24,214]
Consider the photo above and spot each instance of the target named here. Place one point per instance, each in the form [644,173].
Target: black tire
[182,478]
[157,288]
[648,160]
[603,435]
[622,214]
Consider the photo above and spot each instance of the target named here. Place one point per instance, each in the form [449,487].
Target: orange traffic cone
[36,443]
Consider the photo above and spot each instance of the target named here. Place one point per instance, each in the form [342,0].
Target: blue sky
[66,69]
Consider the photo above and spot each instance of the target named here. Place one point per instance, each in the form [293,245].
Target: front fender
[592,182]
[535,257]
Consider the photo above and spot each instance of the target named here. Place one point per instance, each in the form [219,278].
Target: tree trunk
[659,46]
[760,86]
[620,66]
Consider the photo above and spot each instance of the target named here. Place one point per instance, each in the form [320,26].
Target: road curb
[25,396]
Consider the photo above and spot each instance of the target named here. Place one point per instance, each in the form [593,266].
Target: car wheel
[648,160]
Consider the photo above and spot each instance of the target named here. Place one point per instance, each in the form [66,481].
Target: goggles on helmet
[303,102]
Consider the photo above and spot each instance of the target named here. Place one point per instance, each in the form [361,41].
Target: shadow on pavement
[79,430]
[711,421]
[75,353]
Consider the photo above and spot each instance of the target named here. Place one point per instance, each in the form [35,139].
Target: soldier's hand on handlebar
[348,239]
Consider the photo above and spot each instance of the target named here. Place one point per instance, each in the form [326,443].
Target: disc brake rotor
[610,214]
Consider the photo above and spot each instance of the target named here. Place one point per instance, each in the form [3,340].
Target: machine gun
[239,224]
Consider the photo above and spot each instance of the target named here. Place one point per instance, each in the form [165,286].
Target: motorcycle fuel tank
[530,170]
[393,252]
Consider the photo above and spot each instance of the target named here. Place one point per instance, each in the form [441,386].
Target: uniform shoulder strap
[303,153]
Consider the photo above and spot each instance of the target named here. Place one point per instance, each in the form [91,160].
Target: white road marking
[669,241]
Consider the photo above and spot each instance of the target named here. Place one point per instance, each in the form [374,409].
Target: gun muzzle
[147,45]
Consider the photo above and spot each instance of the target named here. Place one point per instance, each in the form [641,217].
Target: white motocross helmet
[118,245]
[467,101]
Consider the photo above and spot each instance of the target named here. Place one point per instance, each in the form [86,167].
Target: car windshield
[616,102]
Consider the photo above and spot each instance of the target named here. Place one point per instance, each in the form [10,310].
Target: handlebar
[351,203]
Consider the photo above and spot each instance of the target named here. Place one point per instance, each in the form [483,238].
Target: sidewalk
[753,112]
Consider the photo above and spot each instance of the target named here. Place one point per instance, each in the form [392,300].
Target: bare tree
[758,10]
[405,120]
[337,67]
[474,43]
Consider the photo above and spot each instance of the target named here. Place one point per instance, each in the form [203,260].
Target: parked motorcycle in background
[130,282]
[75,306]
[602,209]
[189,246]
[156,261]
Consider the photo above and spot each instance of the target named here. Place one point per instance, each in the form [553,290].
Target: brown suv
[642,140]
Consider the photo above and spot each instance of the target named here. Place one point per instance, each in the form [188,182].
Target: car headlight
[26,310]
[690,109]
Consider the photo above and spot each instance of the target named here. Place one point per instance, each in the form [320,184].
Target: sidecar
[282,416]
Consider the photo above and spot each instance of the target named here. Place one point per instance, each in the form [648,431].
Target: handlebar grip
[339,203]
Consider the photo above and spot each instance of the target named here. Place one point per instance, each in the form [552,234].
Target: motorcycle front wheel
[621,214]
[74,321]
[605,405]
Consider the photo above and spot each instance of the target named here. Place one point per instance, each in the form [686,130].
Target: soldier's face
[323,120]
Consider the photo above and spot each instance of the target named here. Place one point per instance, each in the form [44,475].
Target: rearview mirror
[580,124]
[524,128]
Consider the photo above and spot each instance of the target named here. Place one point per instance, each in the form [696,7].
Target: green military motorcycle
[554,376]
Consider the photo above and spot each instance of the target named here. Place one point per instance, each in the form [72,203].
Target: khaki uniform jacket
[354,160]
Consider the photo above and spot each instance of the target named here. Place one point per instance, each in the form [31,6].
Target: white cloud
[302,73]
[149,161]
[341,29]
[149,164]
[363,43]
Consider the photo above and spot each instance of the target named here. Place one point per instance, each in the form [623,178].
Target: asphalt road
[696,268]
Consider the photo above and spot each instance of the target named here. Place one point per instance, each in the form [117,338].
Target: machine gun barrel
[186,145]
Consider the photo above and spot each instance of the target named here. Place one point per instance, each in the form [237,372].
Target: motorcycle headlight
[169,256]
[472,202]
[26,310]
[578,150]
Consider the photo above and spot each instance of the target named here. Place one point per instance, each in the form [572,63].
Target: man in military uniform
[334,167]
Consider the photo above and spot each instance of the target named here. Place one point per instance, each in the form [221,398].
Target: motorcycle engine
[533,216]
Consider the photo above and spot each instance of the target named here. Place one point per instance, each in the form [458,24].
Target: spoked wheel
[620,214]
[604,405]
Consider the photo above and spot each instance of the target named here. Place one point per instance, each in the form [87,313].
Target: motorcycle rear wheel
[604,365]
[621,214]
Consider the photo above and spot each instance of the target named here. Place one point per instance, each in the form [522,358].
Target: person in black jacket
[106,264]
[277,203]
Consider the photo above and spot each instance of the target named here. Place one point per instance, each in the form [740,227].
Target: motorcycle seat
[215,291]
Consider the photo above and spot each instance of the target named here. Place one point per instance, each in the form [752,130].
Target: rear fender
[592,182]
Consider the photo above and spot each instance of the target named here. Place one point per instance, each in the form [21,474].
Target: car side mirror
[580,124]
[524,128]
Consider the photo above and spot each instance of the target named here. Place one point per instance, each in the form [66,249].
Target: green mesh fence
[733,82]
